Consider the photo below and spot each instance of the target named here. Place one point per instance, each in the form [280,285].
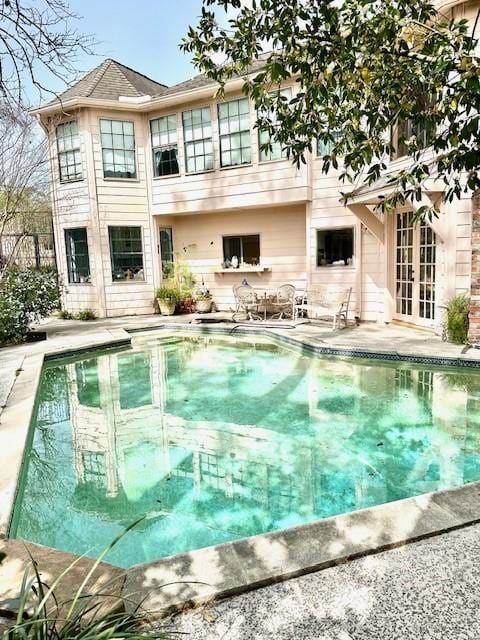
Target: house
[140,171]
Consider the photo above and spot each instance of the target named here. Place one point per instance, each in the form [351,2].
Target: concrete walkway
[428,590]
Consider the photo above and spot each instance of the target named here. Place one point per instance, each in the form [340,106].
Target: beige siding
[282,247]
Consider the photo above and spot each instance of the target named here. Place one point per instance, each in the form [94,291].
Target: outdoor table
[264,296]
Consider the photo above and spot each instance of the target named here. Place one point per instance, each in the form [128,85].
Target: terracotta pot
[204,306]
[166,306]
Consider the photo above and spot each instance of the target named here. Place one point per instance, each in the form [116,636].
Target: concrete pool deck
[245,564]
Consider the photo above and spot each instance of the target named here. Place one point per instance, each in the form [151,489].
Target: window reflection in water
[215,440]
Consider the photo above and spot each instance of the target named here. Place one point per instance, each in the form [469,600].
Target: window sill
[337,267]
[258,270]
[171,175]
[80,284]
[235,166]
[121,179]
[275,161]
[132,281]
[199,173]
[71,181]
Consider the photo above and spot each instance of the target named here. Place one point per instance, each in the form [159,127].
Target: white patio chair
[323,302]
[284,302]
[247,303]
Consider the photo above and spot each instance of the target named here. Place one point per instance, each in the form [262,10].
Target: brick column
[474,331]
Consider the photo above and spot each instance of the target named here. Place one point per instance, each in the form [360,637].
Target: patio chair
[284,302]
[323,302]
[247,303]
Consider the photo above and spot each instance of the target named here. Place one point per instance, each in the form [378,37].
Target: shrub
[63,314]
[27,294]
[457,318]
[86,314]
[168,292]
[203,295]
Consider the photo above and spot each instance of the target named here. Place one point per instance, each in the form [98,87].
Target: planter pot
[204,306]
[167,307]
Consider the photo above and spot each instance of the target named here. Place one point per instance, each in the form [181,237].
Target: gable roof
[109,81]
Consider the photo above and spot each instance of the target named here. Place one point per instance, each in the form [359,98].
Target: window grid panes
[277,151]
[118,149]
[234,127]
[404,274]
[335,247]
[164,146]
[197,132]
[427,272]
[68,147]
[325,147]
[126,253]
[78,264]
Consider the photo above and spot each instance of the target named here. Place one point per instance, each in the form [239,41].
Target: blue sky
[143,34]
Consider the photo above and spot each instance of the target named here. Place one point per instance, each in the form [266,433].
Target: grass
[42,615]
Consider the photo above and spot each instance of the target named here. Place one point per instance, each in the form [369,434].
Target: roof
[109,81]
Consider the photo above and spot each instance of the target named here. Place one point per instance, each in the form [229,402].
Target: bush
[168,292]
[457,318]
[65,315]
[26,295]
[86,314]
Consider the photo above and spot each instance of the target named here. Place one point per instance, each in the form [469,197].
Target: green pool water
[214,439]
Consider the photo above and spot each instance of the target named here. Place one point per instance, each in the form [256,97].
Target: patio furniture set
[287,302]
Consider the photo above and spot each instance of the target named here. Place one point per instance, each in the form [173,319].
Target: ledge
[257,270]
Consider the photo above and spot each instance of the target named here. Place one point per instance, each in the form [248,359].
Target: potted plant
[204,301]
[167,297]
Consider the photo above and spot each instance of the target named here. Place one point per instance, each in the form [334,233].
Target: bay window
[197,132]
[118,149]
[164,146]
[126,253]
[68,149]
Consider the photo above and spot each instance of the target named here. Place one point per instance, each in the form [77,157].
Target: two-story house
[140,171]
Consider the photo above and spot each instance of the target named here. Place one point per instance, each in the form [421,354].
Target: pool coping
[172,583]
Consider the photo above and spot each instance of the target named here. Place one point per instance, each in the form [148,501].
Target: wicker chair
[284,303]
[323,302]
[247,303]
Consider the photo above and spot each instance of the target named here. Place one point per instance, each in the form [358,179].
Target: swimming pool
[215,439]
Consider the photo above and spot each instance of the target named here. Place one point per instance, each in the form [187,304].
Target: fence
[30,250]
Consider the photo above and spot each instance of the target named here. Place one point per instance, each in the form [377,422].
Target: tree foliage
[360,66]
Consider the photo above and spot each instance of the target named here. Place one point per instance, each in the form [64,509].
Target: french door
[414,270]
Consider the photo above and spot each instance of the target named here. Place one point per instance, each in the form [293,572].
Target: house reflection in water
[214,440]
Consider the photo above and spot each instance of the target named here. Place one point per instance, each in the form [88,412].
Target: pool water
[214,439]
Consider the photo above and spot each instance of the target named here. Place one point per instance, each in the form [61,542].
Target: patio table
[264,296]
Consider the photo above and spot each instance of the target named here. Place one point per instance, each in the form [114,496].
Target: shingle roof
[109,81]
[202,81]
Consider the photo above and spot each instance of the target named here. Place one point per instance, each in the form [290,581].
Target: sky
[143,34]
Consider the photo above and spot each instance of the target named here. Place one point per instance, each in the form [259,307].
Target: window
[325,147]
[78,264]
[335,247]
[403,131]
[118,149]
[166,251]
[126,253]
[234,126]
[197,131]
[246,249]
[164,146]
[68,147]
[263,136]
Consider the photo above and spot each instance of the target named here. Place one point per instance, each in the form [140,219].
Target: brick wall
[474,332]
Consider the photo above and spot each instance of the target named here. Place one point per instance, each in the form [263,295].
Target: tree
[24,198]
[37,40]
[361,67]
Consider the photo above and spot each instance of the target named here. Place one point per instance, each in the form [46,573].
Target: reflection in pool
[215,439]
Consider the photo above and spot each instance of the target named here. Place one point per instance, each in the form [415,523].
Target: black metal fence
[29,250]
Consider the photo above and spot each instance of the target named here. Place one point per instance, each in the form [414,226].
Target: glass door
[166,250]
[415,270]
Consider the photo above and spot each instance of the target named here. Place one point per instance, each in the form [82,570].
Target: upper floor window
[76,246]
[197,131]
[118,149]
[277,151]
[234,126]
[68,147]
[164,146]
[126,253]
[403,131]
[325,147]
